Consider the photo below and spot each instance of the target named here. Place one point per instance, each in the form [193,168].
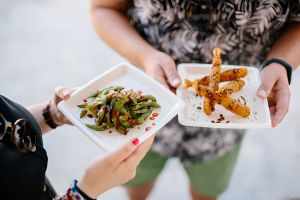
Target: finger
[124,152]
[61,94]
[162,81]
[282,106]
[170,70]
[135,158]
[272,111]
[266,86]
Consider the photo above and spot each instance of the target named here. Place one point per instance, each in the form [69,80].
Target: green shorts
[208,178]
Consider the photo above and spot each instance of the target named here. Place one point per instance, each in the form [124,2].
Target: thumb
[61,93]
[125,151]
[266,86]
[171,73]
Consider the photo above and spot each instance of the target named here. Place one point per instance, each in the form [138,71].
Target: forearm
[115,29]
[287,47]
[37,112]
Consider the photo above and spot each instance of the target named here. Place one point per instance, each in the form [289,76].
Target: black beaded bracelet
[286,65]
[85,196]
[48,118]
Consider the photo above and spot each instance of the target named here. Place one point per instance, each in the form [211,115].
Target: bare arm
[112,25]
[287,47]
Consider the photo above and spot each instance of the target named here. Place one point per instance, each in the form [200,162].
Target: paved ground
[45,43]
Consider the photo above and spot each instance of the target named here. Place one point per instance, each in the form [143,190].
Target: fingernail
[262,94]
[65,93]
[135,141]
[275,122]
[175,82]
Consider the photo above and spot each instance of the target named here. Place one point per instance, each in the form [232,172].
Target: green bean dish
[115,107]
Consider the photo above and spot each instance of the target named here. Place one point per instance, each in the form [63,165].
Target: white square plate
[193,114]
[129,77]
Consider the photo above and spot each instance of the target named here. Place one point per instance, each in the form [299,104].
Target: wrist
[74,192]
[275,69]
[55,114]
[149,57]
[279,67]
[48,117]
[91,188]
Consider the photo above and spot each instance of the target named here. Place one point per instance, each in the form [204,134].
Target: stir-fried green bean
[82,105]
[115,107]
[146,104]
[91,109]
[83,113]
[146,98]
[98,128]
[100,115]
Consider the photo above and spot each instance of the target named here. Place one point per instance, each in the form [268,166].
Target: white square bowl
[129,77]
[193,114]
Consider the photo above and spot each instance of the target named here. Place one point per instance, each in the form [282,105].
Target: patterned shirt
[189,30]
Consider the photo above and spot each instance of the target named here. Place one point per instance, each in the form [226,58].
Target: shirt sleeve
[294,14]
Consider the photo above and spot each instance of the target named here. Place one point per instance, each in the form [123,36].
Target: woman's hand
[114,169]
[60,94]
[275,87]
[162,68]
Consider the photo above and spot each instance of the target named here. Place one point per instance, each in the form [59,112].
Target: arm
[37,110]
[114,169]
[287,47]
[275,85]
[120,34]
[112,25]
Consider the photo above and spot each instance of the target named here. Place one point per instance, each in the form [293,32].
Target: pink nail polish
[175,82]
[135,141]
[65,93]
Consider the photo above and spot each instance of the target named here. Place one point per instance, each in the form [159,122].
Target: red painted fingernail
[135,141]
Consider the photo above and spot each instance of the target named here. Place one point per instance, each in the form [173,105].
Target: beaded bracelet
[74,193]
[48,118]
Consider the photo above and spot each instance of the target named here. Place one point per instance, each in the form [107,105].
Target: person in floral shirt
[156,35]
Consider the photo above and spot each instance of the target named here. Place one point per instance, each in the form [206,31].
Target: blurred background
[44,44]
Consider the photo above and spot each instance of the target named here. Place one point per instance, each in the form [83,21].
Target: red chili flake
[152,118]
[155,114]
[90,116]
[84,100]
[148,128]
